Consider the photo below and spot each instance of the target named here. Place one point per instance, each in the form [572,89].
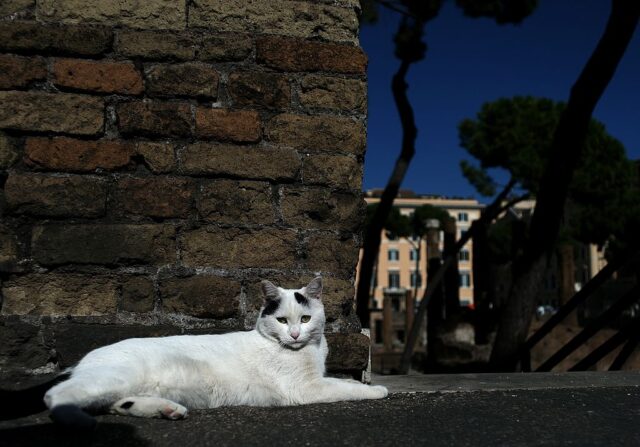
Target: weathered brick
[156,45]
[68,154]
[290,54]
[320,208]
[347,351]
[149,14]
[241,161]
[137,294]
[59,294]
[108,244]
[22,347]
[46,195]
[233,202]
[155,118]
[333,93]
[239,248]
[9,255]
[300,18]
[259,89]
[8,151]
[32,36]
[19,72]
[159,157]
[317,132]
[189,79]
[201,296]
[227,125]
[335,171]
[328,253]
[12,6]
[153,196]
[98,76]
[38,111]
[224,48]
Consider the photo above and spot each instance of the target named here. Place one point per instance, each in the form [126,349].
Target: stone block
[98,76]
[168,119]
[49,112]
[239,248]
[18,72]
[318,208]
[189,79]
[295,18]
[148,14]
[242,126]
[259,89]
[201,296]
[9,252]
[329,133]
[347,352]
[328,253]
[236,202]
[107,244]
[325,92]
[55,196]
[335,171]
[156,45]
[8,7]
[59,294]
[22,347]
[291,54]
[138,294]
[160,197]
[33,36]
[8,151]
[159,157]
[241,161]
[69,154]
[225,48]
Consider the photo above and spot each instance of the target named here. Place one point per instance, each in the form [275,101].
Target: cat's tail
[20,403]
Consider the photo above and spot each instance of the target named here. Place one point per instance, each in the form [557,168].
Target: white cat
[280,362]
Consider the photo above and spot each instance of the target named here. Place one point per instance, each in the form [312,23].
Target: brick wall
[159,158]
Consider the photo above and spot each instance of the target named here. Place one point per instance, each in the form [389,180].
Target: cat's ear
[314,288]
[269,290]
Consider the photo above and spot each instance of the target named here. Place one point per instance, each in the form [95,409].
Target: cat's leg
[149,407]
[330,389]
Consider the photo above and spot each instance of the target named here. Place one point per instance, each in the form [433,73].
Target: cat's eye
[305,318]
[282,320]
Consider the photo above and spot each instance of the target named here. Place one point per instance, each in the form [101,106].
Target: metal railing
[629,333]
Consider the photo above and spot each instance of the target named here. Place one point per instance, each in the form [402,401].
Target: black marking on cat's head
[270,307]
[128,404]
[301,299]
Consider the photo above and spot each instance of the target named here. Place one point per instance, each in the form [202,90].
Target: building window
[393,254]
[416,279]
[465,279]
[464,255]
[394,280]
[463,217]
[413,254]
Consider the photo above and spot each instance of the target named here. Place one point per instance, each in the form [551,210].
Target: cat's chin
[295,345]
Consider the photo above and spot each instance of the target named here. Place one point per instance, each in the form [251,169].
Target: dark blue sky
[471,61]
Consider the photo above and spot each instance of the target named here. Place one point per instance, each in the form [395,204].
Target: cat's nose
[295,335]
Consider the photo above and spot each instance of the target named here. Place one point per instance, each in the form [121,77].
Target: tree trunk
[567,279]
[372,237]
[566,150]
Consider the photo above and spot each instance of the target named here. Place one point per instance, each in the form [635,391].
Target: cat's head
[293,318]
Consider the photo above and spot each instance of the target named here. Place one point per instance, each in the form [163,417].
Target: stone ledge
[455,383]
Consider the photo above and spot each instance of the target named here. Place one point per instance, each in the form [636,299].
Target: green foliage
[503,11]
[516,134]
[427,212]
[478,178]
[396,225]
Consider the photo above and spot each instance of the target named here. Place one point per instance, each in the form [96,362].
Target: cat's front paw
[380,391]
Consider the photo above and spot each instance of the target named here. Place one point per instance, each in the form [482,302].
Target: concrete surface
[585,409]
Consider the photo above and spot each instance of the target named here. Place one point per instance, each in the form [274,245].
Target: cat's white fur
[268,366]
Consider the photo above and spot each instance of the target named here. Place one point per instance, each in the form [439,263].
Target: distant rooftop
[410,194]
